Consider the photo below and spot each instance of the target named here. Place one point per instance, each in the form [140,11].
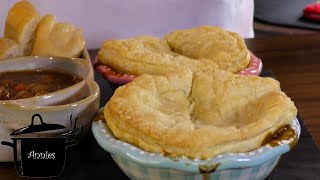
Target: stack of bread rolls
[26,33]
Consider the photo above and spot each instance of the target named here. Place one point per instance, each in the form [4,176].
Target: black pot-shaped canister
[40,156]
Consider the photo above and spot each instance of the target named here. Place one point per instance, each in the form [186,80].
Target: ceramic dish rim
[224,161]
[81,83]
[85,62]
[38,98]
[91,96]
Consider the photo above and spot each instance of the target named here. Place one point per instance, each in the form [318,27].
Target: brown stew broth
[284,132]
[26,84]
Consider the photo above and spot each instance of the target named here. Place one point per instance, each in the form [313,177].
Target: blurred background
[106,19]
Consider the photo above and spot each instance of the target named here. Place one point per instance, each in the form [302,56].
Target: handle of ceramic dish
[36,115]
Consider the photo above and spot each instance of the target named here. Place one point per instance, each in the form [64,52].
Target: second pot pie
[148,55]
[198,116]
[227,49]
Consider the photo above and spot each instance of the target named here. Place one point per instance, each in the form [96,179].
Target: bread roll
[20,25]
[9,48]
[57,39]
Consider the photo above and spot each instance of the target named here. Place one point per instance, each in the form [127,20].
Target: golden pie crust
[198,115]
[147,55]
[227,49]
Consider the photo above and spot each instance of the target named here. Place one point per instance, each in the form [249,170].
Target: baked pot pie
[198,115]
[148,55]
[227,49]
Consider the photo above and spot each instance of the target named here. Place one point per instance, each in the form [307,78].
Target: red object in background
[312,12]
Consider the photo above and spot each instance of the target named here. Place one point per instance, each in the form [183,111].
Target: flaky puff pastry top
[198,116]
[57,39]
[147,55]
[227,49]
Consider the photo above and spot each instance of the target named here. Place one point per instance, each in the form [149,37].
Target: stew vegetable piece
[25,84]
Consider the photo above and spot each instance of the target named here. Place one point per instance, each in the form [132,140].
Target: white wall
[107,19]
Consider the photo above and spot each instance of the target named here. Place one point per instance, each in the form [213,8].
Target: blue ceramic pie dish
[140,164]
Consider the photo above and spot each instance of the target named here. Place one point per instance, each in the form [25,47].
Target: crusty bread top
[21,22]
[9,48]
[57,39]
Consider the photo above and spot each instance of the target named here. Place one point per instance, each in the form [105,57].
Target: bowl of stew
[44,81]
[55,88]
